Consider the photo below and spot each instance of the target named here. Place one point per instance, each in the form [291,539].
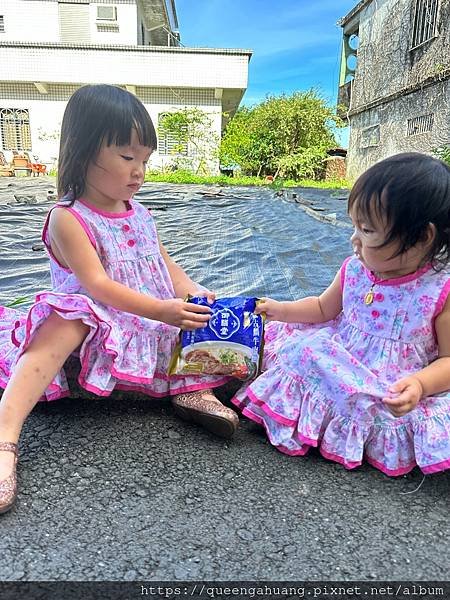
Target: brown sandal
[8,486]
[196,407]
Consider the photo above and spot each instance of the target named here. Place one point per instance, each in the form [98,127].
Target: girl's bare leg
[52,344]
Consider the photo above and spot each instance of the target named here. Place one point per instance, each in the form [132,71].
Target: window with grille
[106,13]
[167,142]
[15,129]
[108,27]
[420,124]
[2,24]
[425,21]
[370,136]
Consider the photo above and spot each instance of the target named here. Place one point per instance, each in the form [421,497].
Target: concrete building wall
[400,95]
[125,32]
[41,21]
[383,130]
[29,20]
[45,115]
[387,63]
[138,66]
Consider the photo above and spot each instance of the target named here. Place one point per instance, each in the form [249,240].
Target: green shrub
[443,152]
[186,177]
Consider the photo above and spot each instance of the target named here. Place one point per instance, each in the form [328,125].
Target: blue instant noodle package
[230,344]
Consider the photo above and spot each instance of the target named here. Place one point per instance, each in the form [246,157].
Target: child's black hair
[409,191]
[93,115]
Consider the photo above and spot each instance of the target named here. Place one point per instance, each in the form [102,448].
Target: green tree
[286,136]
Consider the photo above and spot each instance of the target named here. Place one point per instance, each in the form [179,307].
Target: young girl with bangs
[363,370]
[117,297]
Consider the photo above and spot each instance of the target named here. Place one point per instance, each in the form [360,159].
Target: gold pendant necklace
[368,298]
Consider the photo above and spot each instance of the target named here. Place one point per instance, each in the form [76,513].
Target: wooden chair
[6,169]
[21,163]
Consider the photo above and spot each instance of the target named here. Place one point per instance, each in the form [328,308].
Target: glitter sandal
[8,486]
[196,407]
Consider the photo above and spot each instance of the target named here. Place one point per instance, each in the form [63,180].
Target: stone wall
[400,95]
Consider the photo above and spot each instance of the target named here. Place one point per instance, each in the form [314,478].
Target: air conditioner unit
[107,13]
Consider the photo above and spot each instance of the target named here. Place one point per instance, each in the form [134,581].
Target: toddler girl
[364,369]
[117,296]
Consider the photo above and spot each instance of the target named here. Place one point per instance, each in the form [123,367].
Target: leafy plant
[286,136]
[443,152]
[17,302]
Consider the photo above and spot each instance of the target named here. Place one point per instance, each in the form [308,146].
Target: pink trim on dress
[269,411]
[340,460]
[390,472]
[237,403]
[445,464]
[110,215]
[141,389]
[398,280]
[298,452]
[343,271]
[260,421]
[82,222]
[14,340]
[47,244]
[306,440]
[442,299]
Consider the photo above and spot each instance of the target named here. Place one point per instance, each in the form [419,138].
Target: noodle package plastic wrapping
[230,344]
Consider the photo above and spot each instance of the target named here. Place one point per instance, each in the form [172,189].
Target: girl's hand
[210,296]
[404,395]
[184,315]
[273,310]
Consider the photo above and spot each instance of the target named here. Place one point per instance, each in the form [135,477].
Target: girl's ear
[430,234]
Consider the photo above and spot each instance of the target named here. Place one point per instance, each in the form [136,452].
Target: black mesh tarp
[236,241]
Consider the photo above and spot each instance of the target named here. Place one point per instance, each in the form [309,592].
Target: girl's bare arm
[72,247]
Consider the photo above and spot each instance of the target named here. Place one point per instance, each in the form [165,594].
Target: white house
[48,48]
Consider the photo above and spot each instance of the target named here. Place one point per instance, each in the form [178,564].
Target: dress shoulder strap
[442,299]
[77,216]
[343,270]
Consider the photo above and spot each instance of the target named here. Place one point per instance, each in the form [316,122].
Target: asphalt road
[119,489]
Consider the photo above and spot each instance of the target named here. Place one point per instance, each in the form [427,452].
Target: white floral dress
[323,384]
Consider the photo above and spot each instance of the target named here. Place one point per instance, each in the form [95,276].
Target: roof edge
[355,10]
[125,48]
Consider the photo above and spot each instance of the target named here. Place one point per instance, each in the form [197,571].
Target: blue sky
[295,43]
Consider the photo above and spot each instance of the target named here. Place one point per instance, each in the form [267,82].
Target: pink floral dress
[323,384]
[122,351]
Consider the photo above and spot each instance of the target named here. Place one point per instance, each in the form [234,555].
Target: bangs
[367,201]
[130,115]
[125,120]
